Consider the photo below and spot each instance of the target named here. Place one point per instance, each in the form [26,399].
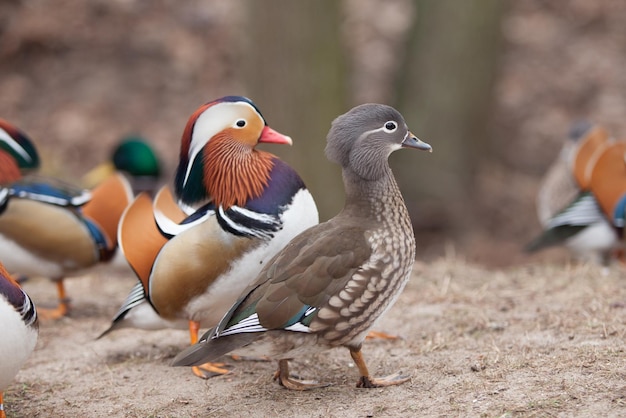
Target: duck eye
[240,123]
[390,126]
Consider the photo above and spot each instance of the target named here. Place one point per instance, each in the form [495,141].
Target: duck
[607,182]
[134,157]
[331,283]
[51,228]
[568,212]
[20,330]
[231,208]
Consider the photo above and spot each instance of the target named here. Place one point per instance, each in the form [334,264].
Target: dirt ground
[534,340]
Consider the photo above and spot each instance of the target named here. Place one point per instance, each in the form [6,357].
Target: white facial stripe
[4,136]
[366,133]
[211,122]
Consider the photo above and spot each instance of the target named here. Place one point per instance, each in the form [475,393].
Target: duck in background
[607,182]
[136,159]
[49,228]
[19,330]
[330,284]
[568,212]
[233,208]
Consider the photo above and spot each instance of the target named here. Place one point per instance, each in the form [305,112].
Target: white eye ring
[240,123]
[390,126]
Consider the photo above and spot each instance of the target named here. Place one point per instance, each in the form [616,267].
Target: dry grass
[538,340]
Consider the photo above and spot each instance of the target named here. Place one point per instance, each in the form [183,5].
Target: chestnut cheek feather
[232,176]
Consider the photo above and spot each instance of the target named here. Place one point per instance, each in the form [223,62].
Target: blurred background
[492,85]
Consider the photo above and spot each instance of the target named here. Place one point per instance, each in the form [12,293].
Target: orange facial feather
[234,172]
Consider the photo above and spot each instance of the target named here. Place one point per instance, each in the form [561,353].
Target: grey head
[362,139]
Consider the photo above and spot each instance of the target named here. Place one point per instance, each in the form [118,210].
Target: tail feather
[552,237]
[212,349]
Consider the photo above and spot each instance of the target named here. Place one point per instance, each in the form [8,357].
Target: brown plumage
[328,286]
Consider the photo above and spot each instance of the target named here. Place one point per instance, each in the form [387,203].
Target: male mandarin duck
[19,330]
[568,212]
[328,286]
[234,208]
[607,182]
[134,157]
[49,228]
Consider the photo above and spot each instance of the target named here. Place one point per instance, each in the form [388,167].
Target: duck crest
[233,172]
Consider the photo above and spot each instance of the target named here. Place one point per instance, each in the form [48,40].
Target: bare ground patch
[537,340]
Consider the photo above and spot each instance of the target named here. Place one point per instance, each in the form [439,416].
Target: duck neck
[372,197]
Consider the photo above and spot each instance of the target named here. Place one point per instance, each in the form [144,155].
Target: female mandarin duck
[235,208]
[51,229]
[19,330]
[134,157]
[328,286]
[568,212]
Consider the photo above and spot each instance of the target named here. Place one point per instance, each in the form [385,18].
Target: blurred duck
[49,228]
[607,182]
[234,208]
[567,210]
[19,330]
[134,157]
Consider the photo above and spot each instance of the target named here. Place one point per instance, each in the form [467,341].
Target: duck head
[218,159]
[362,139]
[17,153]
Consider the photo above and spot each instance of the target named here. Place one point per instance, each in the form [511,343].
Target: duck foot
[209,370]
[378,382]
[366,381]
[61,311]
[291,383]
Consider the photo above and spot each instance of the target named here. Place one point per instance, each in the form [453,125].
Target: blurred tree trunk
[445,94]
[294,70]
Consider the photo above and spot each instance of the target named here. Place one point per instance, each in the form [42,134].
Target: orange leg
[62,308]
[373,335]
[367,381]
[2,414]
[285,380]
[206,370]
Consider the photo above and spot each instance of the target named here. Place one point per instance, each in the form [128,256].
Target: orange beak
[270,136]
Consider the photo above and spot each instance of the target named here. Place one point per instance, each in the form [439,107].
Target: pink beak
[270,136]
